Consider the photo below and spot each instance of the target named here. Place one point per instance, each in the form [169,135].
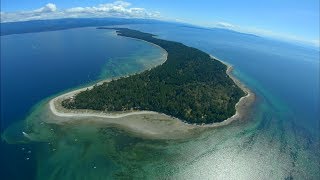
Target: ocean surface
[35,66]
[279,139]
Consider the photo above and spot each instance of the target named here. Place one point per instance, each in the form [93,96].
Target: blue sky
[295,20]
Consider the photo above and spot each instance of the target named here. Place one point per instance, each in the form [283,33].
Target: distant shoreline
[171,125]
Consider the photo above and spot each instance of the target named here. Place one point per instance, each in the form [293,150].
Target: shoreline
[149,121]
[244,101]
[53,102]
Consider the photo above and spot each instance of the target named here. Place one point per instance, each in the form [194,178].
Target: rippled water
[279,139]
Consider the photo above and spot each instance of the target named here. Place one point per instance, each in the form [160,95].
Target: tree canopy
[190,85]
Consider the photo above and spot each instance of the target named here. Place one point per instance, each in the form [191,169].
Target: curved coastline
[149,124]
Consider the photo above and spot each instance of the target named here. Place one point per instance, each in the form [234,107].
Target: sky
[290,20]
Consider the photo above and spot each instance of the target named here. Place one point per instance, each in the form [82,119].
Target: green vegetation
[190,85]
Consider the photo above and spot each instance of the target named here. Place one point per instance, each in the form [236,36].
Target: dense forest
[190,85]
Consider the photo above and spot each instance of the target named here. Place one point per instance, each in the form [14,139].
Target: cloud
[315,42]
[117,9]
[47,8]
[50,11]
[225,25]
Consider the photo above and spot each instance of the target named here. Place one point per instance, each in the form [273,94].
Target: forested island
[190,86]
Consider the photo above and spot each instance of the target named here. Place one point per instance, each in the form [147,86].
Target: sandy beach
[147,124]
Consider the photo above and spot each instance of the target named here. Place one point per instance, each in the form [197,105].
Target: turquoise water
[279,139]
[35,66]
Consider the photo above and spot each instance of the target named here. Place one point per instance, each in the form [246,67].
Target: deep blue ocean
[35,66]
[284,76]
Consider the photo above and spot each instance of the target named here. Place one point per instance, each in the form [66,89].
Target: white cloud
[50,11]
[316,42]
[47,8]
[225,25]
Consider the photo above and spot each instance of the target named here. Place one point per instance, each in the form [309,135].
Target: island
[190,85]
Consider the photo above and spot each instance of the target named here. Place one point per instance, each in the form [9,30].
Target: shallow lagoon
[278,139]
